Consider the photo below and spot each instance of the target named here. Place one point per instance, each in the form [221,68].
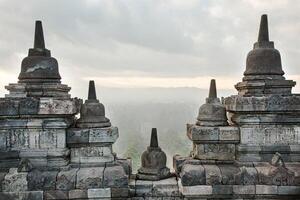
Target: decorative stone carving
[153,161]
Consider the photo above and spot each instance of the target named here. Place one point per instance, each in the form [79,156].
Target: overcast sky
[154,43]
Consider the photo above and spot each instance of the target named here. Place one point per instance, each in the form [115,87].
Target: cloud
[177,40]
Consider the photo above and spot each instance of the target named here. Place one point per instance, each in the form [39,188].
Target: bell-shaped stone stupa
[153,161]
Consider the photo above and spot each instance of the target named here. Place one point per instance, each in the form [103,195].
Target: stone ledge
[245,191]
[194,172]
[222,134]
[162,188]
[26,195]
[99,193]
[272,103]
[15,107]
[92,136]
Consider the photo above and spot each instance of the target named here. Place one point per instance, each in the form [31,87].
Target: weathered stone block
[197,190]
[202,133]
[192,175]
[126,164]
[66,179]
[272,175]
[228,174]
[92,136]
[29,106]
[78,194]
[244,189]
[270,134]
[221,134]
[8,107]
[222,189]
[115,176]
[165,188]
[52,106]
[247,176]
[41,180]
[178,162]
[56,194]
[266,189]
[89,178]
[288,190]
[212,174]
[214,151]
[119,192]
[143,188]
[229,134]
[25,195]
[15,181]
[92,154]
[99,193]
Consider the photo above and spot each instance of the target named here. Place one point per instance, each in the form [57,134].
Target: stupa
[154,161]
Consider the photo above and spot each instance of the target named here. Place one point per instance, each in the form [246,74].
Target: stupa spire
[212,89]
[263,34]
[154,141]
[92,91]
[39,42]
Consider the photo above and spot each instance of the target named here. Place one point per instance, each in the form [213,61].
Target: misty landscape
[136,111]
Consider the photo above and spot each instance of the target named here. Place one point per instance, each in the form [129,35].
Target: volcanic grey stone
[39,66]
[247,176]
[165,188]
[178,162]
[153,161]
[89,178]
[15,181]
[143,188]
[222,189]
[274,174]
[25,166]
[194,192]
[25,195]
[78,194]
[289,190]
[192,175]
[212,174]
[126,164]
[263,59]
[119,192]
[212,113]
[41,180]
[8,107]
[29,106]
[244,189]
[266,189]
[92,136]
[92,113]
[264,74]
[56,194]
[99,193]
[115,176]
[220,152]
[66,179]
[228,174]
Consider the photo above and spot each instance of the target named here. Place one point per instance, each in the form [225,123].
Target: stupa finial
[39,42]
[212,89]
[92,91]
[263,34]
[154,141]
